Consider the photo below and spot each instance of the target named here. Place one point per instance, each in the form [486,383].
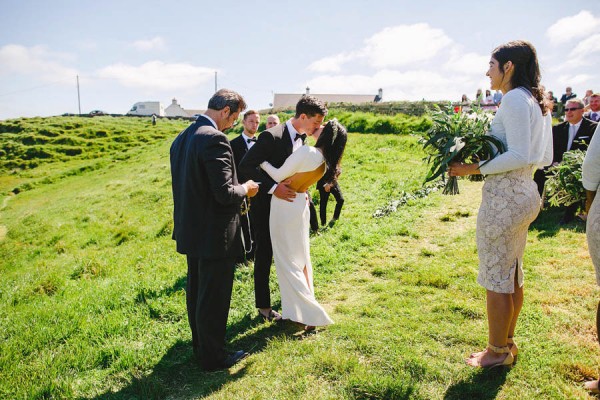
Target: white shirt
[249,144]
[296,144]
[211,121]
[573,128]
[526,133]
[590,173]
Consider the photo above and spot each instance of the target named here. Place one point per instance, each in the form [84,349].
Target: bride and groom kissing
[207,199]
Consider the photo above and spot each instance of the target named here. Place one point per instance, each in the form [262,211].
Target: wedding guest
[568,95]
[207,199]
[488,101]
[594,112]
[497,97]
[510,200]
[478,97]
[591,182]
[240,146]
[586,98]
[272,120]
[327,187]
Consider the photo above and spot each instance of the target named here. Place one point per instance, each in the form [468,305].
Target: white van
[147,108]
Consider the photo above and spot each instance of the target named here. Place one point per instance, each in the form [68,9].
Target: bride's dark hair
[527,70]
[333,142]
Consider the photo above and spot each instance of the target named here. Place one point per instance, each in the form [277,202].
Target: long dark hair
[333,142]
[527,70]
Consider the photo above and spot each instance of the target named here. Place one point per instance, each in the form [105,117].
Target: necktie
[594,116]
[300,136]
[251,140]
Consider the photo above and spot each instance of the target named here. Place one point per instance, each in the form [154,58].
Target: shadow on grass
[547,223]
[177,375]
[483,385]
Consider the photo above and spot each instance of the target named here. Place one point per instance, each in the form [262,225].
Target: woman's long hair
[333,142]
[527,70]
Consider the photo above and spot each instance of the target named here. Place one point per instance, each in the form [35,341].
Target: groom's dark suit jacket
[275,146]
[560,137]
[206,193]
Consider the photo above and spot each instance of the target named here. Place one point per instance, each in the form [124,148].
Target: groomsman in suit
[240,145]
[594,113]
[275,145]
[573,134]
[207,199]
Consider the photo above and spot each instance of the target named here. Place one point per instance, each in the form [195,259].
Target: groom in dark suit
[207,199]
[275,145]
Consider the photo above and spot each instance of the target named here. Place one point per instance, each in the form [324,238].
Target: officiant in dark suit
[275,145]
[207,199]
[240,145]
[573,134]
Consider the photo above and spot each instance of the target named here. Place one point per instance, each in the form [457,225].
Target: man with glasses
[573,134]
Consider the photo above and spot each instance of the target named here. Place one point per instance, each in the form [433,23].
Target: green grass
[92,301]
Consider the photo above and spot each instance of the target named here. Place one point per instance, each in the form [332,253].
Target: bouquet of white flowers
[458,137]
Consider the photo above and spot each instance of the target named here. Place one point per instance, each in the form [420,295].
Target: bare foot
[592,387]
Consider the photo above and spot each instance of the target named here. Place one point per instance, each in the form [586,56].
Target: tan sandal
[507,362]
[514,349]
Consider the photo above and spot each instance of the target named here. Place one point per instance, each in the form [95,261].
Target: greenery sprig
[564,186]
[461,137]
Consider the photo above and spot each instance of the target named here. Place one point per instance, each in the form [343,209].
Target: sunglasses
[573,109]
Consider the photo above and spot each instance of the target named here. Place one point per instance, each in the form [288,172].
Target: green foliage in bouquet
[564,186]
[458,137]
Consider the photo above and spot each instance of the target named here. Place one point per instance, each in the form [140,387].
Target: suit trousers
[263,256]
[208,298]
[324,198]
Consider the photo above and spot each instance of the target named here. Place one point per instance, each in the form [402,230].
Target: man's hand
[283,192]
[251,187]
[327,187]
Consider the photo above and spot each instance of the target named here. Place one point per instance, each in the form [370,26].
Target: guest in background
[327,187]
[272,120]
[591,182]
[497,97]
[586,98]
[568,95]
[478,97]
[594,112]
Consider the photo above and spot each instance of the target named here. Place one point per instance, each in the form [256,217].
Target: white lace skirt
[592,231]
[510,202]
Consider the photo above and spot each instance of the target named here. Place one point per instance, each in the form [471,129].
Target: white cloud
[330,64]
[586,48]
[469,63]
[158,75]
[574,27]
[156,43]
[578,79]
[404,45]
[36,61]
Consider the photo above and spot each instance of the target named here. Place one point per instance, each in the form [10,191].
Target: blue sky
[128,51]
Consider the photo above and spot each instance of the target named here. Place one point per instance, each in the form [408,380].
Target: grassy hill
[92,301]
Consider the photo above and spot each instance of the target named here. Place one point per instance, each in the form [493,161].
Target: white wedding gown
[289,224]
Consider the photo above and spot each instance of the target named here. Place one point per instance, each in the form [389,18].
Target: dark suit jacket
[206,193]
[560,137]
[239,147]
[273,145]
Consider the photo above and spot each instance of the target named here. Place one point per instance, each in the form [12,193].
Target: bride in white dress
[289,223]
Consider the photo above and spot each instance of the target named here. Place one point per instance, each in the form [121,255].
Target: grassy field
[92,301]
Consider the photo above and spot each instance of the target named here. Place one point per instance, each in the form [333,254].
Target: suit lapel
[287,141]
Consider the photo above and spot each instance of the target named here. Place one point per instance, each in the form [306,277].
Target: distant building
[289,100]
[175,110]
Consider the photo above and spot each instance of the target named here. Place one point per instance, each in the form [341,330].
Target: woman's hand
[462,169]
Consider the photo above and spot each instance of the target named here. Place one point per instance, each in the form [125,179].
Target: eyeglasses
[573,109]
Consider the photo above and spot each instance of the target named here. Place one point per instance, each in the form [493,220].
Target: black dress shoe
[229,361]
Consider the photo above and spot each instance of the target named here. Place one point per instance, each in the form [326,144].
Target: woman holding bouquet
[510,200]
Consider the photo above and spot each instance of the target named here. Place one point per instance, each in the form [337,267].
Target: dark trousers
[314,223]
[539,177]
[324,198]
[263,257]
[249,248]
[208,298]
